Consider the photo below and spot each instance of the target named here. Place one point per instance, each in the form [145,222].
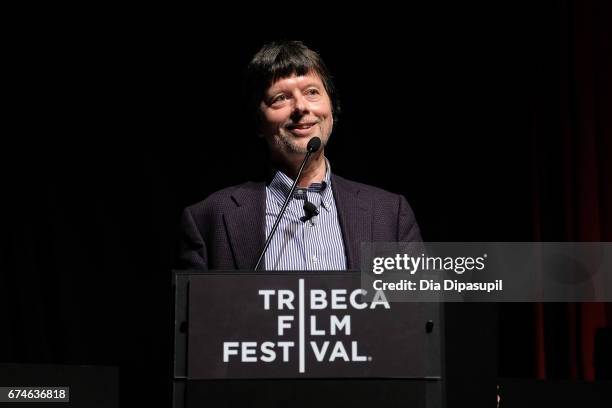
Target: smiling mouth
[301,126]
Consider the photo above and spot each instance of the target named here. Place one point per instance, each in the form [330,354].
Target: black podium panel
[305,325]
[335,393]
[223,321]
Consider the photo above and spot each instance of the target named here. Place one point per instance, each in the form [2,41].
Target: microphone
[313,145]
[310,211]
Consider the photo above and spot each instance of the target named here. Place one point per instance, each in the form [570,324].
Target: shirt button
[314,259]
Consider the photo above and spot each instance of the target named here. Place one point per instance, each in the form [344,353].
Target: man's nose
[301,105]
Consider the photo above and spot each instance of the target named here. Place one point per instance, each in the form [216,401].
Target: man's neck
[314,172]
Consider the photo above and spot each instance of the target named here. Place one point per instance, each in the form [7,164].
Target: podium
[302,338]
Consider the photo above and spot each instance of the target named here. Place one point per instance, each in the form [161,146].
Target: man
[293,100]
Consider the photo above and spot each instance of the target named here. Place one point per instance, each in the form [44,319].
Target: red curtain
[572,165]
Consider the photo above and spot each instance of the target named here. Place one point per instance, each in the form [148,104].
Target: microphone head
[310,209]
[313,144]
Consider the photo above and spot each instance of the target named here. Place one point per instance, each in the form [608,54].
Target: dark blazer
[227,230]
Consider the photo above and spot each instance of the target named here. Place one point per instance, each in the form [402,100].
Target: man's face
[294,110]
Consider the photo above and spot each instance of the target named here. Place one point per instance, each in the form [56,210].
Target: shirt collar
[280,185]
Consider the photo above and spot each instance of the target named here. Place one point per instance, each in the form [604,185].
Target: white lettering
[229,349]
[248,352]
[338,299]
[267,351]
[335,323]
[379,299]
[319,353]
[377,269]
[285,298]
[313,327]
[283,324]
[353,299]
[354,355]
[339,352]
[285,346]
[318,299]
[267,293]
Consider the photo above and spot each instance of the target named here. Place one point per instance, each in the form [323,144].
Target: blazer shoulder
[391,211]
[366,190]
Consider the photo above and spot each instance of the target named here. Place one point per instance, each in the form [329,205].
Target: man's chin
[297,145]
[297,150]
[294,146]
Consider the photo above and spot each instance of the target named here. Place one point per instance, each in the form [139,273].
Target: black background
[116,125]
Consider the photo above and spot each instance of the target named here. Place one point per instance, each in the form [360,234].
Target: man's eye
[279,98]
[312,91]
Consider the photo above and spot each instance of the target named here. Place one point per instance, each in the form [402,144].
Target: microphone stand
[313,146]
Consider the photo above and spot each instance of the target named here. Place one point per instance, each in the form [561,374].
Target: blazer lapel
[245,223]
[355,215]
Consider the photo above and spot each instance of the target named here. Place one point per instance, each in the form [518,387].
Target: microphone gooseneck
[313,145]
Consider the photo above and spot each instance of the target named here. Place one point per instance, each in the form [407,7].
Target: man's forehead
[294,79]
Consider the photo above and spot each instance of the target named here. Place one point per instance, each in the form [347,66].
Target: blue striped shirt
[315,244]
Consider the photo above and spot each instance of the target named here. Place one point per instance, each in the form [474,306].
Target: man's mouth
[301,126]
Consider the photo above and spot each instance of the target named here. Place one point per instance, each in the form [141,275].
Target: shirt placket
[311,229]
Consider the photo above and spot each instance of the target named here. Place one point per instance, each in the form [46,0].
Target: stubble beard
[289,144]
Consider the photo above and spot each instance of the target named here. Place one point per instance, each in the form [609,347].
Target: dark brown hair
[281,59]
